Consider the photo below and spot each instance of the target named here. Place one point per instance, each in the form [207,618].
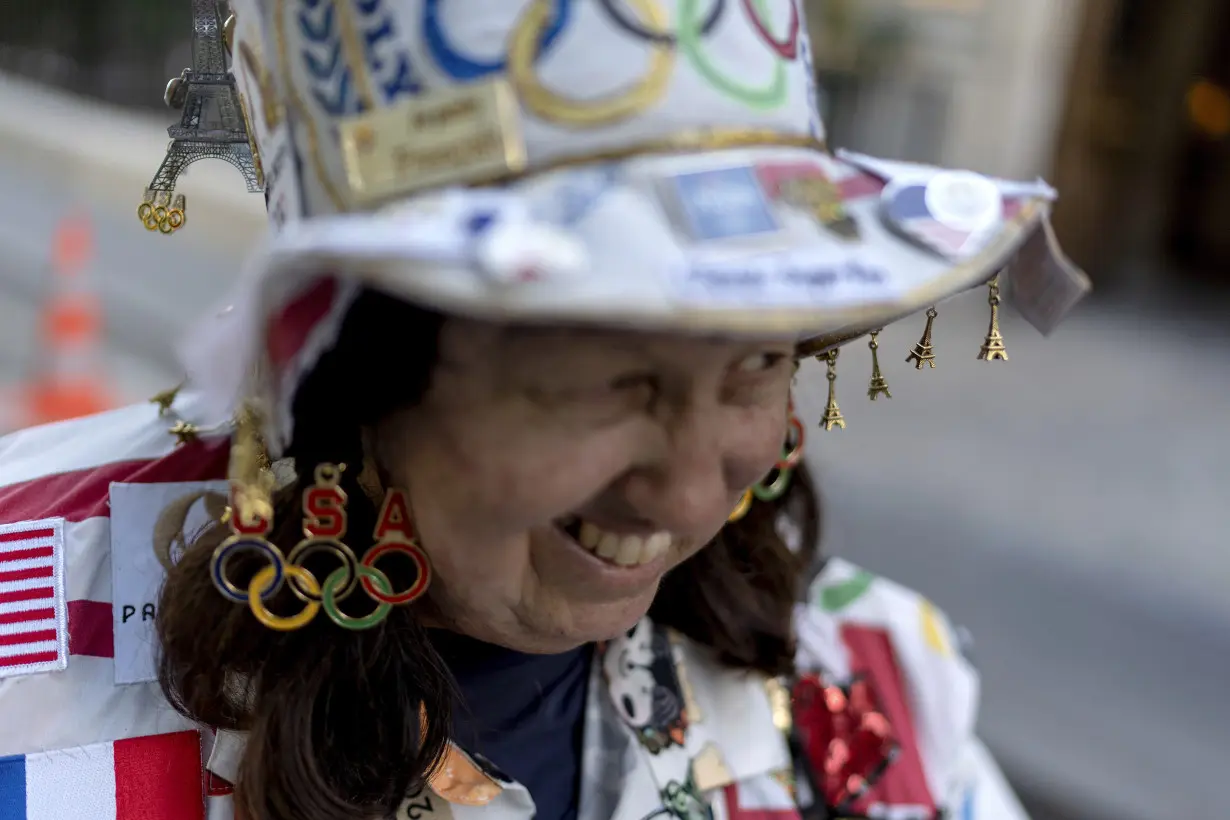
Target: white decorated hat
[654,164]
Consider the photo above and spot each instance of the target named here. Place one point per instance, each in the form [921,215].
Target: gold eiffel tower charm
[924,353]
[832,413]
[993,347]
[878,385]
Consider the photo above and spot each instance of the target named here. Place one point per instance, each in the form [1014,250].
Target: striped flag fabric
[157,777]
[33,618]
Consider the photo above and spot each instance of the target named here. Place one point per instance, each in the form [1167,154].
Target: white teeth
[629,550]
[608,545]
[589,535]
[624,550]
[656,545]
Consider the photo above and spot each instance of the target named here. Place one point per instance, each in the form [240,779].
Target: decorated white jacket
[883,715]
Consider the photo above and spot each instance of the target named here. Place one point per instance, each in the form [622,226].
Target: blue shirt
[524,714]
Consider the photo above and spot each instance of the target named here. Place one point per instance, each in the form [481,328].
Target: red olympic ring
[411,551]
[792,457]
[787,48]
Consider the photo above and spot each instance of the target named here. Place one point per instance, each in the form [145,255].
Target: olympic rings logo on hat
[542,23]
[460,67]
[324,506]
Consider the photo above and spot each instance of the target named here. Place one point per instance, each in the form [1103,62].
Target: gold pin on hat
[924,353]
[993,347]
[832,413]
[878,385]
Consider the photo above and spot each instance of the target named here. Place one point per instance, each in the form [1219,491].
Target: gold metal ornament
[822,198]
[740,510]
[228,34]
[924,353]
[460,135]
[993,346]
[250,471]
[185,432]
[526,42]
[166,399]
[832,413]
[878,385]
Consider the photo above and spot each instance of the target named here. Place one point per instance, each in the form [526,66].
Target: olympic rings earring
[324,528]
[774,485]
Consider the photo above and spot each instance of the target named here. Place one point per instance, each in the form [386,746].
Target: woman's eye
[634,381]
[760,362]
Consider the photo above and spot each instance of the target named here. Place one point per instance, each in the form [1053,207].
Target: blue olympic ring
[460,67]
[241,544]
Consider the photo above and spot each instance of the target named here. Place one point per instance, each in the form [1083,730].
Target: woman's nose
[691,484]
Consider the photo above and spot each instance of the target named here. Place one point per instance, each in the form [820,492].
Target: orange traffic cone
[68,382]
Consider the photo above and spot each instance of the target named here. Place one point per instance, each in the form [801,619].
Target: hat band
[384,160]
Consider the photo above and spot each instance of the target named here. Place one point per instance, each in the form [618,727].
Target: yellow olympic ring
[745,504]
[263,579]
[159,217]
[523,48]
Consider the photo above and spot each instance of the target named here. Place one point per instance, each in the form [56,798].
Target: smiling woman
[518,519]
[557,476]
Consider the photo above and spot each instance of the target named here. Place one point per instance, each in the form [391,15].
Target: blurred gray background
[1070,507]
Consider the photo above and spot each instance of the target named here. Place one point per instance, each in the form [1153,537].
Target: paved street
[1069,506]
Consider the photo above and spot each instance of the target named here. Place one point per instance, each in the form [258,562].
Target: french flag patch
[33,615]
[157,777]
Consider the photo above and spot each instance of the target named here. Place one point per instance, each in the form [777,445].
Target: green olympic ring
[772,95]
[774,489]
[338,580]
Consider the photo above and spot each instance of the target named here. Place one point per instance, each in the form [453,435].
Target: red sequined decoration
[846,739]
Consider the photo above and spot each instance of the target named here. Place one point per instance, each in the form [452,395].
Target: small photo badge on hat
[723,203]
[954,213]
[1045,284]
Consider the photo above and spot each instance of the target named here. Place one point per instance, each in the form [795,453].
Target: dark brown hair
[332,715]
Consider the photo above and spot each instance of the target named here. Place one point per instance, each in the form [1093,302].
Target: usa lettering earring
[324,529]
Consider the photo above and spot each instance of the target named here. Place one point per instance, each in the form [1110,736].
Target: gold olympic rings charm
[325,523]
[523,47]
[159,212]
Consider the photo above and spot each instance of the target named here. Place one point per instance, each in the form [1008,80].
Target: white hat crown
[560,80]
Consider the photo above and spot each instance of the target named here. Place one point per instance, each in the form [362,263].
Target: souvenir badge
[1045,284]
[806,186]
[645,688]
[726,203]
[164,516]
[33,612]
[470,133]
[954,213]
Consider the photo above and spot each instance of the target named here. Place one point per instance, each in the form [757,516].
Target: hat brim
[621,245]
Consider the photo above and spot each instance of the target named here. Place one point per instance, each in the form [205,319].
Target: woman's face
[555,475]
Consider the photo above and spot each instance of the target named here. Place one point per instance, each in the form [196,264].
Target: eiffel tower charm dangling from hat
[214,124]
[993,348]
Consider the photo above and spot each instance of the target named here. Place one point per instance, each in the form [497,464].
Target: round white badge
[964,200]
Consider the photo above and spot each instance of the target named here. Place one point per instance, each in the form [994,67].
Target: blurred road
[1069,506]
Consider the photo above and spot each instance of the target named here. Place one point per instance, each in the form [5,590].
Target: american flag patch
[33,616]
[908,208]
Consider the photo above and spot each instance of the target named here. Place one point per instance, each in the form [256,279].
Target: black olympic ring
[631,25]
